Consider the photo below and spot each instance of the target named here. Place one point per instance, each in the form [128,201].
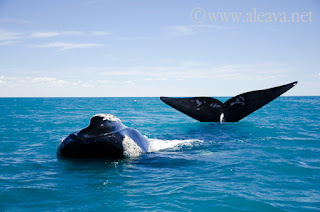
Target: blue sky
[149,48]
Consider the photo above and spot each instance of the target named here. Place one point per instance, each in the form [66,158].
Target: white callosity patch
[199,103]
[239,100]
[130,148]
[158,145]
[215,105]
[108,117]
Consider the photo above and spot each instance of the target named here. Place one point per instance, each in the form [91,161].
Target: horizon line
[135,96]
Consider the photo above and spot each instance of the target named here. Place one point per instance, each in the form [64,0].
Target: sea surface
[269,161]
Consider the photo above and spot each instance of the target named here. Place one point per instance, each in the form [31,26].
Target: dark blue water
[268,161]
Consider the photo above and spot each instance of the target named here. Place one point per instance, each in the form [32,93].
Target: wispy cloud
[67,46]
[9,36]
[48,34]
[180,30]
[197,70]
[110,56]
[212,27]
[92,2]
[14,21]
[183,70]
[44,34]
[131,38]
[53,82]
[43,81]
[100,33]
[186,30]
[160,77]
[48,80]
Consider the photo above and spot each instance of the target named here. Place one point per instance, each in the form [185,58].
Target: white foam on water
[158,145]
[130,148]
[222,117]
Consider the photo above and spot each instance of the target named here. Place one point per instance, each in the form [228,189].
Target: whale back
[105,137]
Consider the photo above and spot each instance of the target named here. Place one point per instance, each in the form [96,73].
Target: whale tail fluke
[207,109]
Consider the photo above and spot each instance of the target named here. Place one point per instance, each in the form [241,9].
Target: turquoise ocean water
[269,161]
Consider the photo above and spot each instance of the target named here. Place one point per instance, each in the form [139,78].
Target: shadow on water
[96,163]
[92,167]
[217,132]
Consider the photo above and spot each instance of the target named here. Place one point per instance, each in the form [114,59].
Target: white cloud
[131,38]
[110,56]
[44,80]
[9,36]
[180,30]
[197,70]
[185,30]
[211,27]
[92,2]
[48,34]
[7,78]
[100,33]
[180,71]
[152,79]
[131,81]
[103,81]
[44,34]
[66,46]
[43,86]
[14,21]
[36,81]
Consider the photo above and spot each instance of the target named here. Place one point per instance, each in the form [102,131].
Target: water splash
[158,145]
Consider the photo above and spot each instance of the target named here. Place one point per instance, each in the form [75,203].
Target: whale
[105,137]
[207,109]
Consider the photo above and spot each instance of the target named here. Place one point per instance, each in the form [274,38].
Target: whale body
[105,137]
[207,109]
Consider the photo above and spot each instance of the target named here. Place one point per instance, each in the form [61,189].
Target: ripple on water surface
[267,161]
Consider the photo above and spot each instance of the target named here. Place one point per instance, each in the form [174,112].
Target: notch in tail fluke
[207,109]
